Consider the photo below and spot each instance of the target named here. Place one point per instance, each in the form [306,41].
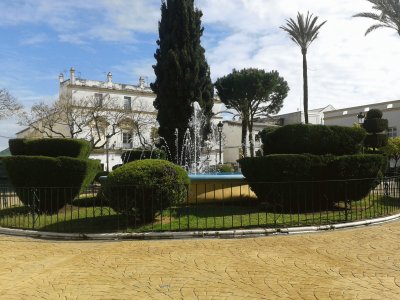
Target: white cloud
[78,21]
[345,68]
[34,39]
[136,69]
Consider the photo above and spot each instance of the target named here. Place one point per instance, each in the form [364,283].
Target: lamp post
[360,117]
[219,126]
[108,146]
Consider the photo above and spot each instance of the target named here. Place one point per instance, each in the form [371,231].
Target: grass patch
[88,214]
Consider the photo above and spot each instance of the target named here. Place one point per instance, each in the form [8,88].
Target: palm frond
[387,14]
[374,27]
[304,31]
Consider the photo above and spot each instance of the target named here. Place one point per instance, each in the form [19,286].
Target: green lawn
[89,215]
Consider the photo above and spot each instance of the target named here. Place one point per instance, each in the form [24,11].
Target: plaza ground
[361,263]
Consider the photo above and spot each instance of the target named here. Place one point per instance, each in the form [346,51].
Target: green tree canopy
[252,93]
[392,149]
[182,72]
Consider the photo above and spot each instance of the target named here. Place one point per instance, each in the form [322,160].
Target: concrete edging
[192,234]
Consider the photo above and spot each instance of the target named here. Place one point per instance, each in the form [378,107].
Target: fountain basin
[229,187]
[211,188]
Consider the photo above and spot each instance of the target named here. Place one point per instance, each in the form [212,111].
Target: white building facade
[136,102]
[349,116]
[315,116]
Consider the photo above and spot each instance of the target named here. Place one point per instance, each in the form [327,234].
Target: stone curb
[239,233]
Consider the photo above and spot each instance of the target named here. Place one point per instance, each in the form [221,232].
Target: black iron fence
[200,206]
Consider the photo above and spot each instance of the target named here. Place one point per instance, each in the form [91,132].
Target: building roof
[5,152]
[396,103]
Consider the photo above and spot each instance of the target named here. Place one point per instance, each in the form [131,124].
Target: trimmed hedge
[313,139]
[375,125]
[288,180]
[48,183]
[51,147]
[144,187]
[374,114]
[376,140]
[139,154]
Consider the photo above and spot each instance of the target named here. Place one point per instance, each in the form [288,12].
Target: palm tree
[388,15]
[303,33]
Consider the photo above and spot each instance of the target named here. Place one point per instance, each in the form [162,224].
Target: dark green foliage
[116,166]
[375,140]
[138,154]
[48,183]
[374,114]
[313,139]
[50,147]
[264,133]
[182,72]
[375,125]
[100,174]
[376,128]
[144,187]
[252,93]
[304,181]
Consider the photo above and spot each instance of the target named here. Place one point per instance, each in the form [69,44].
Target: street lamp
[360,117]
[219,126]
[108,146]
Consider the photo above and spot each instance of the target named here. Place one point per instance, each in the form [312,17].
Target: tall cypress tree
[182,72]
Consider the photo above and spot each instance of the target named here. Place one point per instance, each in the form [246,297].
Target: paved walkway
[361,263]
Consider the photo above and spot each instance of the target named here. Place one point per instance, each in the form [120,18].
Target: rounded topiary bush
[374,114]
[305,181]
[46,184]
[313,139]
[138,154]
[144,187]
[53,147]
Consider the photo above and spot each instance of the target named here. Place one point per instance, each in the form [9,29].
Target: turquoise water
[216,176]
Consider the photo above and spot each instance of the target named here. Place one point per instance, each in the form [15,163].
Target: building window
[345,112]
[99,99]
[127,139]
[392,132]
[127,103]
[389,106]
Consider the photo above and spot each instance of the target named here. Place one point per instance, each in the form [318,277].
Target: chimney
[61,78]
[141,82]
[72,75]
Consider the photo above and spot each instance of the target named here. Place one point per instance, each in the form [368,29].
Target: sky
[42,38]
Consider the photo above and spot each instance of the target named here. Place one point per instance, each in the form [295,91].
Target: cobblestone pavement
[362,263]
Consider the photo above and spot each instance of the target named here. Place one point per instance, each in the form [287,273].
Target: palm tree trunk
[305,85]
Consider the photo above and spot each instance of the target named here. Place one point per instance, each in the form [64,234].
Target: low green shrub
[138,154]
[374,114]
[375,125]
[51,147]
[313,139]
[376,140]
[48,183]
[225,168]
[99,174]
[144,187]
[302,181]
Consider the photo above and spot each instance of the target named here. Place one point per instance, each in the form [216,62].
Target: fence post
[345,202]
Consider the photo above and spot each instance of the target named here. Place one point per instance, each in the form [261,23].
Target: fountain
[200,160]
